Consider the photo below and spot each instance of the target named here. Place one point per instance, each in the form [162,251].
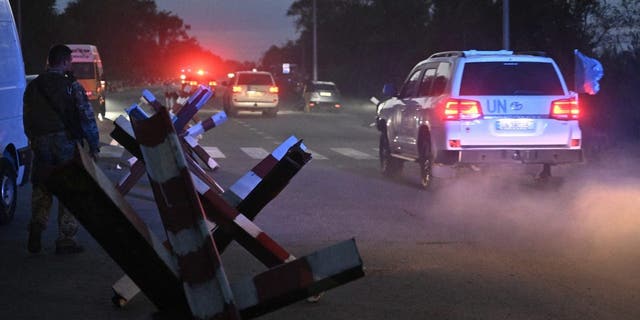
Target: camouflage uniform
[53,143]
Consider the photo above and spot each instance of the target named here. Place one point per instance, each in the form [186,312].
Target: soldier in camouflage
[57,116]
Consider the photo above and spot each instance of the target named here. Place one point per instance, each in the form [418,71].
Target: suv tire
[389,166]
[425,161]
[8,191]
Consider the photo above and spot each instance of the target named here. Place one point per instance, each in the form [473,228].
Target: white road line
[316,156]
[353,153]
[255,153]
[214,152]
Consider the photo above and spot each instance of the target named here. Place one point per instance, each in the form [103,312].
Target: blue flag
[587,74]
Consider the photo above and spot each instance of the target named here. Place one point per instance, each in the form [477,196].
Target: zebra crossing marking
[316,156]
[255,153]
[214,152]
[353,153]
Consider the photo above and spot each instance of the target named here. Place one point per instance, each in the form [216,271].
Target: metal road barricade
[185,278]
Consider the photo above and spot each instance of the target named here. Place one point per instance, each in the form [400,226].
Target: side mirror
[389,90]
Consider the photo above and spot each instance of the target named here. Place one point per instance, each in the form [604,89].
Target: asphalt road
[483,245]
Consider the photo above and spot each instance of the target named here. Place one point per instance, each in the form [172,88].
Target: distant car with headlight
[321,94]
[251,91]
[476,107]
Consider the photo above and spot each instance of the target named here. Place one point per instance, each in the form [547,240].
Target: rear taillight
[565,109]
[461,109]
[273,89]
[213,83]
[236,88]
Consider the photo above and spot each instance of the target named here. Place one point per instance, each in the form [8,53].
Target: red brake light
[213,83]
[236,88]
[565,109]
[461,109]
[273,89]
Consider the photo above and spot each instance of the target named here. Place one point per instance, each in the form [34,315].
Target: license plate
[516,125]
[254,93]
[325,94]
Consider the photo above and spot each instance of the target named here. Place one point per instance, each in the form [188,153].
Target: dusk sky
[233,29]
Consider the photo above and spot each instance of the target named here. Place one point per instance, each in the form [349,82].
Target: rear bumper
[550,156]
[253,105]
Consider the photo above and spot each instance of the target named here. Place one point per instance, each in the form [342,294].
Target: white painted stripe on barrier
[193,142]
[282,149]
[247,225]
[332,260]
[212,163]
[214,152]
[316,156]
[163,253]
[353,153]
[219,118]
[205,299]
[114,143]
[195,129]
[200,186]
[188,240]
[246,293]
[225,286]
[158,168]
[243,187]
[124,123]
[132,161]
[255,153]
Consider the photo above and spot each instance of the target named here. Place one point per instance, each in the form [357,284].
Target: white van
[87,68]
[15,158]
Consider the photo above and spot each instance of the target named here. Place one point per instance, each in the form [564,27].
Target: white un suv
[480,107]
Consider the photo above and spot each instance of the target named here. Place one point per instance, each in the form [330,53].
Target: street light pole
[505,24]
[315,43]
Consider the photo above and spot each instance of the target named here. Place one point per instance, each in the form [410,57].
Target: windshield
[83,70]
[510,78]
[324,87]
[254,79]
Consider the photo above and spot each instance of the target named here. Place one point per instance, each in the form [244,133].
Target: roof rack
[486,52]
[533,53]
[446,54]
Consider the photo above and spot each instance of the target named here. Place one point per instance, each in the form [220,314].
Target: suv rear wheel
[8,191]
[425,160]
[389,165]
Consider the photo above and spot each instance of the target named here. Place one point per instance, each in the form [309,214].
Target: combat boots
[35,237]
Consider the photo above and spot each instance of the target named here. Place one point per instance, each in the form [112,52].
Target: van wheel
[8,191]
[425,160]
[389,166]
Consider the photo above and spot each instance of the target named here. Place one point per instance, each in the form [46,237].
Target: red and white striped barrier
[245,185]
[205,283]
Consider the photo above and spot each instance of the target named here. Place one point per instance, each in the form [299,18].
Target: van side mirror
[389,90]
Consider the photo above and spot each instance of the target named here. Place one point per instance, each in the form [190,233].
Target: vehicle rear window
[83,70]
[325,87]
[510,78]
[255,79]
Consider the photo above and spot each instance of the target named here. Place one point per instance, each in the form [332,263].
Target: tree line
[363,44]
[135,38]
